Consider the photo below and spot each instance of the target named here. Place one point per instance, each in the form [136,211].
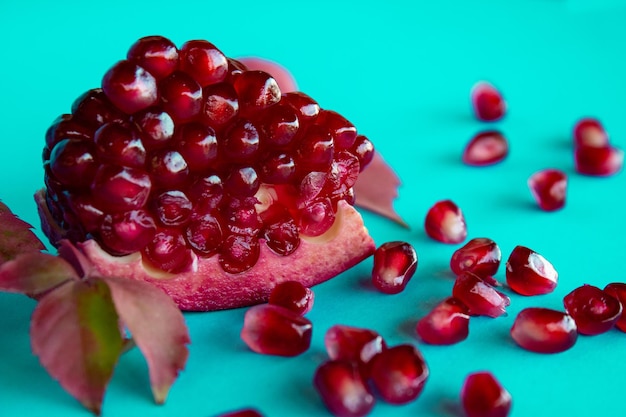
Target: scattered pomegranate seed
[544,330]
[342,389]
[246,412]
[353,344]
[292,295]
[394,265]
[548,188]
[595,311]
[482,395]
[598,161]
[480,256]
[399,374]
[487,102]
[480,298]
[275,330]
[445,222]
[529,273]
[618,290]
[446,324]
[589,131]
[486,148]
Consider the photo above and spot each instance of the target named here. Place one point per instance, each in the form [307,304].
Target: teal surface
[402,73]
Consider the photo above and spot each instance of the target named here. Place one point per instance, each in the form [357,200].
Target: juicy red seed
[445,222]
[156,128]
[204,62]
[89,215]
[204,234]
[130,87]
[158,55]
[242,182]
[280,125]
[529,273]
[168,168]
[207,192]
[118,188]
[363,148]
[242,219]
[315,149]
[118,144]
[316,217]
[399,374]
[293,296]
[167,251]
[278,168]
[181,96]
[348,168]
[590,132]
[275,330]
[279,230]
[487,102]
[395,264]
[598,161]
[306,108]
[197,143]
[595,311]
[342,131]
[95,109]
[245,412]
[480,298]
[73,163]
[618,291]
[173,208]
[241,142]
[446,324]
[311,186]
[543,330]
[257,90]
[342,389]
[486,148]
[480,256]
[353,344]
[220,104]
[238,253]
[548,187]
[482,395]
[127,232]
[67,126]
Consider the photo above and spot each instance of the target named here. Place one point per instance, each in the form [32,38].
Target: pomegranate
[544,330]
[342,389]
[595,311]
[445,222]
[480,256]
[446,324]
[487,102]
[188,170]
[486,148]
[548,188]
[394,265]
[482,395]
[529,273]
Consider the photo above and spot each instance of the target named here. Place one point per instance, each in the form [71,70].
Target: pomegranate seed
[66,126]
[119,189]
[204,234]
[487,102]
[598,161]
[278,168]
[316,149]
[130,87]
[280,125]
[395,264]
[168,251]
[257,90]
[127,232]
[364,151]
[480,256]
[246,412]
[486,148]
[118,144]
[482,395]
[220,104]
[480,298]
[618,290]
[342,131]
[529,273]
[181,96]
[445,222]
[158,55]
[399,373]
[276,330]
[241,142]
[204,62]
[543,330]
[156,128]
[590,132]
[306,108]
[354,344]
[342,389]
[548,187]
[95,109]
[595,311]
[73,162]
[173,208]
[168,168]
[238,253]
[292,295]
[446,324]
[90,216]
[316,217]
[279,230]
[197,144]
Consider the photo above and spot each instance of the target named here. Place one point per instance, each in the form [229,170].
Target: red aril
[446,324]
[594,310]
[480,298]
[598,161]
[480,256]
[589,131]
[529,273]
[482,395]
[245,412]
[283,77]
[342,389]
[486,148]
[487,102]
[292,295]
[544,330]
[548,187]
[353,344]
[275,330]
[618,290]
[394,265]
[445,222]
[399,374]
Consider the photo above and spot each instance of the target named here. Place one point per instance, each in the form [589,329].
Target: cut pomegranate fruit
[482,395]
[589,131]
[446,324]
[445,222]
[275,330]
[480,256]
[342,389]
[529,273]
[292,295]
[486,148]
[480,298]
[191,141]
[399,374]
[394,265]
[548,188]
[487,102]
[544,330]
[354,344]
[618,290]
[595,311]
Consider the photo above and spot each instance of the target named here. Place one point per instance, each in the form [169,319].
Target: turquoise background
[402,73]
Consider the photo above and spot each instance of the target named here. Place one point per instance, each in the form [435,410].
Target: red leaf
[35,273]
[157,327]
[75,333]
[377,188]
[16,236]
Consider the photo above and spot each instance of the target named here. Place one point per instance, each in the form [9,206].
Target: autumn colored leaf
[35,273]
[74,332]
[16,236]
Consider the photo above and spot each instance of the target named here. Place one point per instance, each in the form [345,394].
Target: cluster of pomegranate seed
[185,153]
